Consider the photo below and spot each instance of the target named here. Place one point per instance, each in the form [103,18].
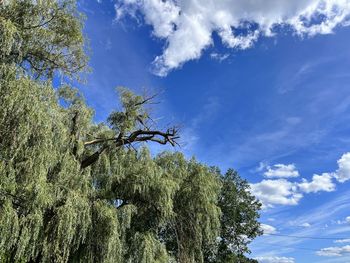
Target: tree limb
[99,140]
[146,100]
[93,158]
[160,137]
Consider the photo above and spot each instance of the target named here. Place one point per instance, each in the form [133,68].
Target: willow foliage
[72,190]
[42,36]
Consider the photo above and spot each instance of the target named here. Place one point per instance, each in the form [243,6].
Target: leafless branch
[98,140]
[147,100]
[170,136]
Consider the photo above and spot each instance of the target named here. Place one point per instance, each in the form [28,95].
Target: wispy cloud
[316,218]
[301,74]
[268,229]
[283,140]
[342,241]
[305,225]
[219,57]
[275,259]
[190,133]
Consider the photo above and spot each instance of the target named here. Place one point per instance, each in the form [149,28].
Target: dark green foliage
[75,191]
[239,225]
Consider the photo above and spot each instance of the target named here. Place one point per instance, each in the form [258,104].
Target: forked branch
[170,136]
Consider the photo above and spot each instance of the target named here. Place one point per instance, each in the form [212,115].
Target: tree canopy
[42,36]
[72,190]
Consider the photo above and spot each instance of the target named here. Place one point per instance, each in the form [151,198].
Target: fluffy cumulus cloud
[282,191]
[334,251]
[267,229]
[318,183]
[276,192]
[187,26]
[274,259]
[343,172]
[281,171]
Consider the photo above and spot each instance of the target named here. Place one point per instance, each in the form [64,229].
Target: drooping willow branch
[160,137]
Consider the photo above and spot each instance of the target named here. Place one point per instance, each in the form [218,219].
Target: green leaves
[75,191]
[127,207]
[196,218]
[239,223]
[42,37]
[133,115]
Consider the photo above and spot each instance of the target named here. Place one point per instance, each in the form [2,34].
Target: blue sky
[266,93]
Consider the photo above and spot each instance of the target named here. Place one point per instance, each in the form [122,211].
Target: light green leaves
[124,205]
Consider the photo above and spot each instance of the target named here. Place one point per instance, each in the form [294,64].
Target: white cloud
[262,166]
[281,171]
[273,192]
[273,259]
[334,251]
[342,222]
[319,183]
[268,229]
[283,192]
[187,26]
[306,225]
[162,15]
[219,57]
[342,241]
[343,172]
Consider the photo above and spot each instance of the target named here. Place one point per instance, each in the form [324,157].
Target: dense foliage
[75,191]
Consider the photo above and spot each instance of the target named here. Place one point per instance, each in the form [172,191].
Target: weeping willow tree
[72,190]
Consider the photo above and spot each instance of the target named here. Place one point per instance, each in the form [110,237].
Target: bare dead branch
[170,136]
[98,140]
[147,100]
[93,158]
